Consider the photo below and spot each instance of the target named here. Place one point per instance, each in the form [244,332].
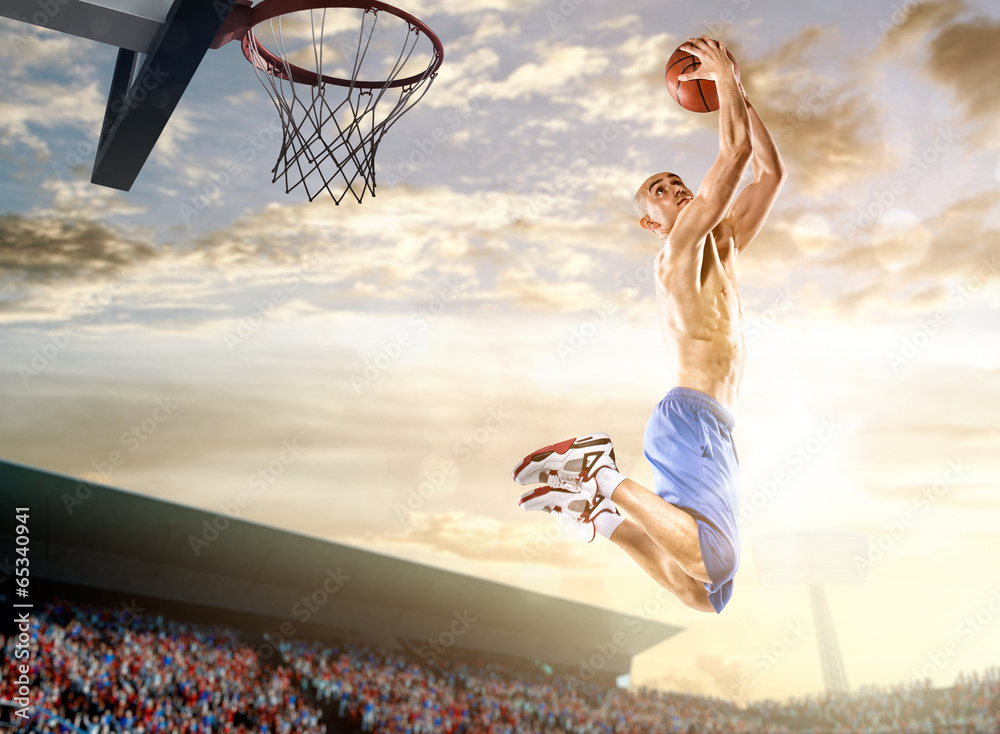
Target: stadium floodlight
[816,559]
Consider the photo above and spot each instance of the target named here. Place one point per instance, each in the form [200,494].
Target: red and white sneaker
[603,506]
[572,463]
[570,509]
[555,499]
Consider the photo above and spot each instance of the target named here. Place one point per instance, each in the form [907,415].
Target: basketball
[697,95]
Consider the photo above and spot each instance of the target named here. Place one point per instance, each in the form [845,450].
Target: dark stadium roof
[132,544]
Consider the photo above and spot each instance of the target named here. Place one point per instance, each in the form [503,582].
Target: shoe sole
[560,497]
[560,449]
[571,520]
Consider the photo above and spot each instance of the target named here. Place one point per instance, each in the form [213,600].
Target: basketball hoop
[330,127]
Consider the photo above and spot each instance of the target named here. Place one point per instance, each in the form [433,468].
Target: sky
[370,373]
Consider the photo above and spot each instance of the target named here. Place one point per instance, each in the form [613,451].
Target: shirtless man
[684,534]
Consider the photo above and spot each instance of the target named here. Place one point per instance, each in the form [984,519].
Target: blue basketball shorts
[689,442]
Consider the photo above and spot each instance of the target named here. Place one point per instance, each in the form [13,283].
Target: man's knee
[688,590]
[696,597]
[705,606]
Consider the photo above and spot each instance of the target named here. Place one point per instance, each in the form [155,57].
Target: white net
[338,90]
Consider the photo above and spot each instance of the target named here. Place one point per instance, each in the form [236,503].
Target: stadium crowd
[971,706]
[101,674]
[390,694]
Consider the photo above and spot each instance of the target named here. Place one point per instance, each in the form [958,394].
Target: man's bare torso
[703,327]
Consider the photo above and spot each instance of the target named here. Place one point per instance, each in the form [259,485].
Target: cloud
[404,250]
[43,250]
[940,275]
[183,125]
[826,126]
[903,32]
[462,8]
[50,80]
[464,535]
[464,83]
[965,57]
[901,265]
[560,250]
[47,105]
[958,53]
[390,255]
[31,51]
[77,198]
[558,71]
[632,91]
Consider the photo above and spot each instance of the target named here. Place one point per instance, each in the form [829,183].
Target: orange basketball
[697,95]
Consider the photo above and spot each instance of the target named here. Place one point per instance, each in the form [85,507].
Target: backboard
[174,35]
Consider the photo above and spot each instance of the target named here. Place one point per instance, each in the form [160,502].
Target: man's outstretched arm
[715,197]
[750,210]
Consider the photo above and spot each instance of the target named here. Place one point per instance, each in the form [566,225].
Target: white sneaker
[555,500]
[600,507]
[574,462]
[570,509]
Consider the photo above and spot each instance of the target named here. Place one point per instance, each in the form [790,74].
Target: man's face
[666,195]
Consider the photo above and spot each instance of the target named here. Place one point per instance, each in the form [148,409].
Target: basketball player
[684,534]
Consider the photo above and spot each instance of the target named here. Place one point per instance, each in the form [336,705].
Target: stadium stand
[134,546]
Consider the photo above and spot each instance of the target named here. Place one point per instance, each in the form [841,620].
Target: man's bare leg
[663,569]
[661,538]
[672,530]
